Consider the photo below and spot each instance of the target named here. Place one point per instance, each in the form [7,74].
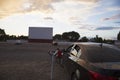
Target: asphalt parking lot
[29,61]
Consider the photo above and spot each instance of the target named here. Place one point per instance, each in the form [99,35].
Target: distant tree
[57,37]
[71,36]
[108,41]
[22,37]
[98,39]
[2,32]
[13,37]
[74,36]
[84,39]
[118,36]
[2,35]
[65,36]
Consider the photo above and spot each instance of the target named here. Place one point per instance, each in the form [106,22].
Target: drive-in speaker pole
[53,53]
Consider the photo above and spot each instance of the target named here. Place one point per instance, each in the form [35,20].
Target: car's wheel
[74,77]
[80,74]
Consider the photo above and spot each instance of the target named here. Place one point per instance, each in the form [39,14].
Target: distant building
[40,34]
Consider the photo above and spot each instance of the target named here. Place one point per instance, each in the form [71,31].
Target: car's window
[75,50]
[79,53]
[69,48]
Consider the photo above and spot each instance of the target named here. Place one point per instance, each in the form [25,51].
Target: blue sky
[87,17]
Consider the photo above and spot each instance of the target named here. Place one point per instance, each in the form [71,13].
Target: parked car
[90,61]
[18,42]
[55,43]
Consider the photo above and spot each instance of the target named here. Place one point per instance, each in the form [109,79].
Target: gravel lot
[29,61]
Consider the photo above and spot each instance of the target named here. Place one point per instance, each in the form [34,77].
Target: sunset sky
[87,17]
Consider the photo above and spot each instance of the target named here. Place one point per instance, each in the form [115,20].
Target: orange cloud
[8,7]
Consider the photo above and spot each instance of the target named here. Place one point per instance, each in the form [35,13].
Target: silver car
[91,61]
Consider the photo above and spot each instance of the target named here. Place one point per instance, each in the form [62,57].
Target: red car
[91,61]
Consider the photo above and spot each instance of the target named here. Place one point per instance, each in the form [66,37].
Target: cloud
[89,1]
[96,27]
[42,5]
[107,28]
[113,8]
[117,16]
[8,7]
[87,27]
[117,22]
[75,20]
[48,18]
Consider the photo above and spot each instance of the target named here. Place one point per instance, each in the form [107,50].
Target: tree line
[4,36]
[71,36]
[74,36]
[67,36]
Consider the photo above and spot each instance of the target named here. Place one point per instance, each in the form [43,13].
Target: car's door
[75,53]
[71,57]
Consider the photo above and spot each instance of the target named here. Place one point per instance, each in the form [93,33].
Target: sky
[87,17]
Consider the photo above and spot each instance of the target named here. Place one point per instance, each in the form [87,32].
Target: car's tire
[80,74]
[74,77]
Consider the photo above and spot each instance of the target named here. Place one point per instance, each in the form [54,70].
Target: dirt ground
[29,61]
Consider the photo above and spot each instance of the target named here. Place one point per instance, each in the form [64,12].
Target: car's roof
[97,45]
[95,53]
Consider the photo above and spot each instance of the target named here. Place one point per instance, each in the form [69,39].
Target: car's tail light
[97,76]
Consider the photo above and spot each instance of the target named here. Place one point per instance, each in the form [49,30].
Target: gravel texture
[28,61]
